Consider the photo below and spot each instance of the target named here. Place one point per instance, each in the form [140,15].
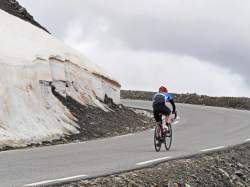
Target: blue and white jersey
[161,98]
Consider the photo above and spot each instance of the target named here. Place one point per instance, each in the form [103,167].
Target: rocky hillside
[228,102]
[14,8]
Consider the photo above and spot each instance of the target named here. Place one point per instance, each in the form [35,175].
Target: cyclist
[159,105]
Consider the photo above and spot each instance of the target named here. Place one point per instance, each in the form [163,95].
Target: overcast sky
[188,46]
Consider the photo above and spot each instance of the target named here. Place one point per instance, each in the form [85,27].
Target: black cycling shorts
[160,109]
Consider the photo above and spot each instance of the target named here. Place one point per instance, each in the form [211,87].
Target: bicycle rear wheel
[158,137]
[168,137]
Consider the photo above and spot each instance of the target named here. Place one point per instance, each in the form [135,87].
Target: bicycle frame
[163,137]
[163,118]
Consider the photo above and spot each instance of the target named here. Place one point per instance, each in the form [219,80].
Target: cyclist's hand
[173,112]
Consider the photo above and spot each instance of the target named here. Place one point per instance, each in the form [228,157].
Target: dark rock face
[13,8]
[96,123]
[228,102]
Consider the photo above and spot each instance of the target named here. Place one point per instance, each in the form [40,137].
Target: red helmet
[163,89]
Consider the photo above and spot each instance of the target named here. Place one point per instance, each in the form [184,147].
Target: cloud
[211,32]
[143,70]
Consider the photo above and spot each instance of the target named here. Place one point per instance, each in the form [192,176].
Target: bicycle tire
[157,137]
[168,138]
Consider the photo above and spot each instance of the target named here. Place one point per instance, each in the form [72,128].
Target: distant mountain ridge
[14,8]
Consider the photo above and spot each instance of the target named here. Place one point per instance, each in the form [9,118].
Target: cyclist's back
[159,105]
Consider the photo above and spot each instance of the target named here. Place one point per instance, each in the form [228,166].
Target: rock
[239,164]
[205,158]
[217,159]
[170,183]
[246,167]
[225,174]
[239,184]
[22,10]
[194,177]
[240,174]
[176,185]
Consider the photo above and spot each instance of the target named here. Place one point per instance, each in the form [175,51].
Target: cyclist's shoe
[167,129]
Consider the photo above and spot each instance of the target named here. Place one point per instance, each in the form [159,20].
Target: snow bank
[31,62]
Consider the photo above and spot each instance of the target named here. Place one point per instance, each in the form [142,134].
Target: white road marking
[213,148]
[123,136]
[71,143]
[8,151]
[49,181]
[141,163]
[247,140]
[175,122]
[178,117]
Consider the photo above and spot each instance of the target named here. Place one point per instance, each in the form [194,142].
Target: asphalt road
[198,129]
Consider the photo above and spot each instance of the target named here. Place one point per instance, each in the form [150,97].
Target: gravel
[227,102]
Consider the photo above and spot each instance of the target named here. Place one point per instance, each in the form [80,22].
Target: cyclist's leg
[156,112]
[158,116]
[166,111]
[168,118]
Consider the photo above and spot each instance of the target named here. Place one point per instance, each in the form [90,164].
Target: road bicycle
[166,137]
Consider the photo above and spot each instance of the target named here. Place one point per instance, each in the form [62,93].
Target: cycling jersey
[160,98]
[159,106]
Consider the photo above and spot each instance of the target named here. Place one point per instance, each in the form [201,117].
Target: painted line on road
[247,140]
[146,162]
[123,136]
[136,107]
[175,122]
[178,117]
[8,151]
[70,143]
[213,148]
[49,181]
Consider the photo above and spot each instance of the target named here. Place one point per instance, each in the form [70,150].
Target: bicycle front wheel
[168,137]
[158,138]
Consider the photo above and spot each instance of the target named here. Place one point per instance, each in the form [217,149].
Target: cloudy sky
[190,46]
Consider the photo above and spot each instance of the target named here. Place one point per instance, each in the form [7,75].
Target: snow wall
[31,63]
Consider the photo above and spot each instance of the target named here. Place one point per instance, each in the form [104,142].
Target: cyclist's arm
[153,101]
[172,103]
